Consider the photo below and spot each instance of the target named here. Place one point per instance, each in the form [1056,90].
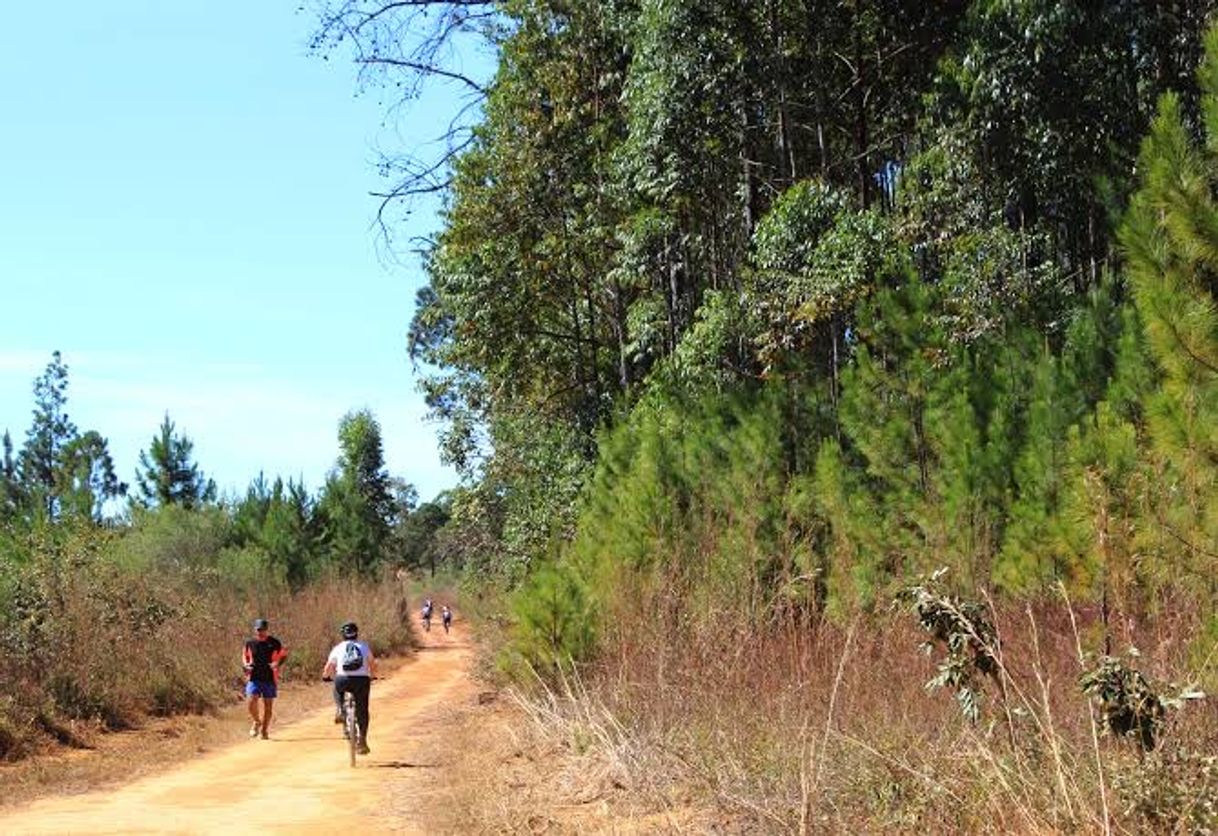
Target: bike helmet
[261,624]
[350,630]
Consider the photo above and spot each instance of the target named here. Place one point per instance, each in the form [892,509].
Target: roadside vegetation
[834,388]
[116,605]
[777,340]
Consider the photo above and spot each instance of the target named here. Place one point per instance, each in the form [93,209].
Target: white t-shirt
[340,651]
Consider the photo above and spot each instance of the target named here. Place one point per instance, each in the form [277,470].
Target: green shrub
[554,618]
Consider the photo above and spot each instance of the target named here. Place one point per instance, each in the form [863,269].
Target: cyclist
[427,614]
[352,666]
[261,659]
[446,616]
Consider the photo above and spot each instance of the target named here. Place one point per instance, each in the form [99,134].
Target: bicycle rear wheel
[350,725]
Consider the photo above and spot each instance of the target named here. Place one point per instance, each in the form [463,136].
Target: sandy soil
[296,782]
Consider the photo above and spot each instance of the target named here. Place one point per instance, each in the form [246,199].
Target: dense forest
[803,298]
[746,320]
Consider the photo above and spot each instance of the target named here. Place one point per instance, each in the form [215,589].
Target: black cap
[261,624]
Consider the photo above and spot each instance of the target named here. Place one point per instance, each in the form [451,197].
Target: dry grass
[110,649]
[809,727]
[550,766]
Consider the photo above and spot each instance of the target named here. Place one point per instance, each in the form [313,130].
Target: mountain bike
[350,726]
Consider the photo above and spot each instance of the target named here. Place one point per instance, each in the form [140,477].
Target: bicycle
[350,726]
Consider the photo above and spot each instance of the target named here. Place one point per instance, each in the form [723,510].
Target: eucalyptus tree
[87,480]
[1045,102]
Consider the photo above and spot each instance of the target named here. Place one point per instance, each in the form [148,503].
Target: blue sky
[184,214]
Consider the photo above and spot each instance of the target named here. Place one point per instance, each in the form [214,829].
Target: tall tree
[415,539]
[287,533]
[60,470]
[86,477]
[356,505]
[11,496]
[404,47]
[168,476]
[1170,236]
[49,433]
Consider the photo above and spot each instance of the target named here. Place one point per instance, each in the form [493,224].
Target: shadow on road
[339,741]
[443,648]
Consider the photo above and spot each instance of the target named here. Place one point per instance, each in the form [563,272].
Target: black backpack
[353,657]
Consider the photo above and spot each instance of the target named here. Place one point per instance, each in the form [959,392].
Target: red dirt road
[296,782]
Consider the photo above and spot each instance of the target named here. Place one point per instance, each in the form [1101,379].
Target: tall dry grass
[806,726]
[91,645]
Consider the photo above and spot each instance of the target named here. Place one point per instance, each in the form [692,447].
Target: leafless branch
[423,69]
[401,45]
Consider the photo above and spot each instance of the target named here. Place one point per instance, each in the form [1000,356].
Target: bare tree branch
[401,45]
[424,69]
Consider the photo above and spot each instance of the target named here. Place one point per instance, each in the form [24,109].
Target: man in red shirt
[262,657]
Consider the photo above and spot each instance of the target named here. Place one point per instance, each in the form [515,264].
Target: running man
[262,657]
[427,615]
[446,616]
[351,665]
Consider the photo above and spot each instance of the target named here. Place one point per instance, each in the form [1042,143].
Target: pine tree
[49,433]
[167,476]
[12,498]
[1026,562]
[1102,515]
[1170,236]
[287,533]
[356,506]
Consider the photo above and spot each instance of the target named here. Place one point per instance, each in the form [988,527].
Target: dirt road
[296,782]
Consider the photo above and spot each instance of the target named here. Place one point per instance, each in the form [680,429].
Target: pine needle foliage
[1170,237]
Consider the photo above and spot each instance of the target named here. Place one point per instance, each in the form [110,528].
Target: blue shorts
[266,690]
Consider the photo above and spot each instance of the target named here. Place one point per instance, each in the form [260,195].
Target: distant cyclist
[352,667]
[446,616]
[261,659]
[427,615]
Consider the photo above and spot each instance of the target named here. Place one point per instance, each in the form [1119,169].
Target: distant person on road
[427,614]
[446,615]
[261,658]
[352,666]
